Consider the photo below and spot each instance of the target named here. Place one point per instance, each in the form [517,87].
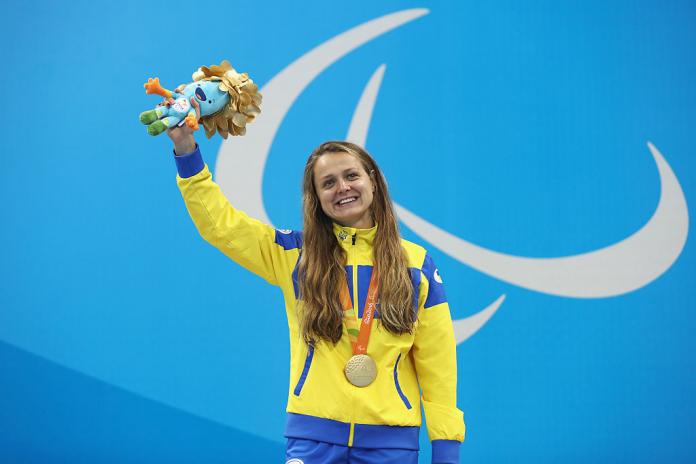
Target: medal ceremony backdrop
[514,136]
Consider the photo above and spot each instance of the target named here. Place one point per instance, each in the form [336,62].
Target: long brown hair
[321,272]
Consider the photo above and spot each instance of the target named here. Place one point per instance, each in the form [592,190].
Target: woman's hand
[182,136]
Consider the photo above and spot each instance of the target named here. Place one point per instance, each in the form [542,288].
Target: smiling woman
[344,188]
[354,392]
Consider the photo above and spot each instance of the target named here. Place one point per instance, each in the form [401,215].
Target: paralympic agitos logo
[625,266]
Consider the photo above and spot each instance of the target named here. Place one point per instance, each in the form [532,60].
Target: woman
[354,393]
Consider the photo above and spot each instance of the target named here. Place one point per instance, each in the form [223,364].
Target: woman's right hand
[182,136]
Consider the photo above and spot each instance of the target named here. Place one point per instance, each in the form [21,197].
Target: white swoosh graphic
[620,268]
[614,270]
[241,160]
[357,133]
[360,123]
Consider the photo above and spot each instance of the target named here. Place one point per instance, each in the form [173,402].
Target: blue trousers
[300,451]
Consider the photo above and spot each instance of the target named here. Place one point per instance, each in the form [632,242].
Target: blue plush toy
[227,100]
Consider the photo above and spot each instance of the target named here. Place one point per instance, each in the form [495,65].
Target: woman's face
[344,189]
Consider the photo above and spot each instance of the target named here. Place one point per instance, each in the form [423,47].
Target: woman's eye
[352,176]
[328,183]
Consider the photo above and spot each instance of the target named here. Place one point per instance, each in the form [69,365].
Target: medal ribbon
[360,337]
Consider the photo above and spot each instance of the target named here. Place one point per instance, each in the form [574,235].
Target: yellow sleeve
[247,241]
[435,356]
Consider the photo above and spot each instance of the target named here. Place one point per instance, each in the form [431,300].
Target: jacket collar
[348,236]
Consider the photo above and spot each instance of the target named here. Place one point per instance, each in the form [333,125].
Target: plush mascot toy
[228,102]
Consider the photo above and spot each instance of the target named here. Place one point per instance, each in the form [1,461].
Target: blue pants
[300,451]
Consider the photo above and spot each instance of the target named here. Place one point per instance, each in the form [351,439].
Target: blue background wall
[520,127]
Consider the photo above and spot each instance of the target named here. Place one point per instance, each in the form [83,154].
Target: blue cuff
[190,164]
[445,452]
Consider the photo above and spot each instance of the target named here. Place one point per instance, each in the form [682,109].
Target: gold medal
[361,370]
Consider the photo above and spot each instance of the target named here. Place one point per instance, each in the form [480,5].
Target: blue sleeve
[190,164]
[445,452]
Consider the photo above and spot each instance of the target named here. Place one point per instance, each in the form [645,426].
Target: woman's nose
[343,185]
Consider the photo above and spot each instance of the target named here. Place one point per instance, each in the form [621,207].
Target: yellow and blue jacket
[322,404]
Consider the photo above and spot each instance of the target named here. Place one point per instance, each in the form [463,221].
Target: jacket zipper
[356,306]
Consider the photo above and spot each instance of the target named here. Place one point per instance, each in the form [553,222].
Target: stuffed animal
[228,101]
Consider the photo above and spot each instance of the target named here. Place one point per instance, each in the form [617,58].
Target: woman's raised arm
[256,246]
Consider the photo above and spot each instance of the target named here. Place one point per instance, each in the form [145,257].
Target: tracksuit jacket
[322,405]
